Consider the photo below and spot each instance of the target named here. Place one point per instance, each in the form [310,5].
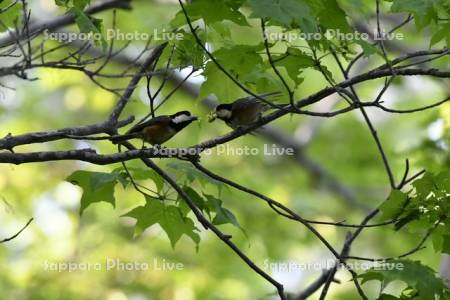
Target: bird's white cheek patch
[182,118]
[224,114]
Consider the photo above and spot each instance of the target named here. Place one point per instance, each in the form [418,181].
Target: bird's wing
[242,102]
[155,120]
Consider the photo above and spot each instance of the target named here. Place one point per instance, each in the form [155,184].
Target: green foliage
[97,187]
[427,13]
[306,15]
[187,52]
[421,280]
[211,205]
[171,219]
[11,16]
[201,9]
[443,33]
[230,29]
[139,174]
[325,9]
[223,215]
[189,175]
[288,13]
[80,4]
[424,11]
[394,204]
[294,61]
[441,238]
[368,48]
[424,207]
[86,23]
[246,65]
[218,84]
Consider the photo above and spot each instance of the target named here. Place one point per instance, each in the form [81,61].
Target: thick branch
[9,142]
[91,156]
[314,98]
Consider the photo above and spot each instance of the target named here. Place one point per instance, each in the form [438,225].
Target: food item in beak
[212,116]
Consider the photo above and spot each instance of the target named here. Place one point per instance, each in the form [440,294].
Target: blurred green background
[341,145]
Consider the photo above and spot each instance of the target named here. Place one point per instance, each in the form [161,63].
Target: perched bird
[158,130]
[242,112]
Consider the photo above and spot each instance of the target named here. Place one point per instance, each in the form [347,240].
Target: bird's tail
[117,139]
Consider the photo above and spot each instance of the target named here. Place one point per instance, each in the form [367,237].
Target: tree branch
[208,225]
[91,156]
[10,141]
[62,21]
[17,234]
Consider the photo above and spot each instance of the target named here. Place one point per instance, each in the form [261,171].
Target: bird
[158,130]
[242,112]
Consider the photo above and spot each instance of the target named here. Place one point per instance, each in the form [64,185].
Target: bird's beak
[212,116]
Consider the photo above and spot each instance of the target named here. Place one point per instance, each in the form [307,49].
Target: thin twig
[17,234]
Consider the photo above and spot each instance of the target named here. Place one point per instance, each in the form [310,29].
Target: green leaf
[243,62]
[223,215]
[191,174]
[294,61]
[331,16]
[443,180]
[443,33]
[290,13]
[368,48]
[424,185]
[427,204]
[420,277]
[412,215]
[169,217]
[441,238]
[446,244]
[219,35]
[370,275]
[240,59]
[141,174]
[12,15]
[393,204]
[263,79]
[81,4]
[187,52]
[64,3]
[211,11]
[218,84]
[438,240]
[423,10]
[87,24]
[97,187]
[98,179]
[198,200]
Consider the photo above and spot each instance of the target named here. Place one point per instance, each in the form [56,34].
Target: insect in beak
[212,116]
